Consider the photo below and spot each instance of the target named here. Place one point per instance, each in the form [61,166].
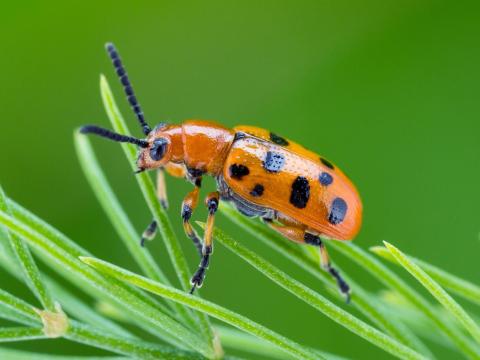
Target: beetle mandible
[296,192]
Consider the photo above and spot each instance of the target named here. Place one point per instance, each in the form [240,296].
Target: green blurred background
[386,89]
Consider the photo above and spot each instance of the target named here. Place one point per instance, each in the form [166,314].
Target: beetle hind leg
[325,261]
[295,232]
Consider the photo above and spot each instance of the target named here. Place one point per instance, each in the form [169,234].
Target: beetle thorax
[205,145]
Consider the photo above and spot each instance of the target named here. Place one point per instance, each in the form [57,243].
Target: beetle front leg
[162,189]
[211,202]
[188,207]
[149,233]
[298,234]
[151,229]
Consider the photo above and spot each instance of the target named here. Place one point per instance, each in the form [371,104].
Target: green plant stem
[387,277]
[70,303]
[457,285]
[14,354]
[57,240]
[18,307]
[238,340]
[73,306]
[228,316]
[416,320]
[363,301]
[133,302]
[145,182]
[29,269]
[130,347]
[436,290]
[317,301]
[20,334]
[9,314]
[85,334]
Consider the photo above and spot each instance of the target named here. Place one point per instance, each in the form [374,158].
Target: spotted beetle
[297,193]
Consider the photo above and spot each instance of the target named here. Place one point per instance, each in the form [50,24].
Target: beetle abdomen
[279,176]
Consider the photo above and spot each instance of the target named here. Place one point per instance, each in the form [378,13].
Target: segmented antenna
[92,129]
[127,86]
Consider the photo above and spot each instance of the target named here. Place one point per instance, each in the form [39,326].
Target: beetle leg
[291,232]
[188,207]
[151,229]
[325,261]
[149,233]
[162,188]
[211,202]
[300,235]
[174,170]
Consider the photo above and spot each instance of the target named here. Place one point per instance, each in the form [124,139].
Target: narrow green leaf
[457,285]
[139,307]
[437,291]
[14,354]
[20,334]
[57,240]
[361,299]
[70,303]
[9,314]
[387,277]
[416,320]
[18,306]
[238,340]
[130,347]
[81,311]
[317,301]
[30,270]
[86,334]
[228,316]
[145,182]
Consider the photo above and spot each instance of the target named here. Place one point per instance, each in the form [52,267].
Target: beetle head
[159,149]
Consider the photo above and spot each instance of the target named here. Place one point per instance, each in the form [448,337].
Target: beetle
[296,192]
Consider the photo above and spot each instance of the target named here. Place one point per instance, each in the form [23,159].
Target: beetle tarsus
[164,204]
[342,284]
[149,233]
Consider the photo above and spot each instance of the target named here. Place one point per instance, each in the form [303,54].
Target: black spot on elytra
[300,192]
[278,139]
[237,171]
[338,210]
[274,162]
[325,179]
[327,163]
[257,190]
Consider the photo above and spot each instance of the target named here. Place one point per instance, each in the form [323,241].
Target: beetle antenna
[127,86]
[92,129]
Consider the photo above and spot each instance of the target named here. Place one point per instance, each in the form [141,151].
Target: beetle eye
[158,150]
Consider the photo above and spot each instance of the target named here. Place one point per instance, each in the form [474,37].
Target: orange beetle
[294,191]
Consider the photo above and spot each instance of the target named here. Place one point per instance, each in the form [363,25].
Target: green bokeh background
[386,89]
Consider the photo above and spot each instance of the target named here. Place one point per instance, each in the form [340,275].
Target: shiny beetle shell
[274,172]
